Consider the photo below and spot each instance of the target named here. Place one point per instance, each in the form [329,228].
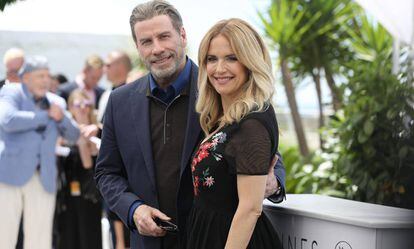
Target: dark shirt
[174,88]
[168,110]
[168,125]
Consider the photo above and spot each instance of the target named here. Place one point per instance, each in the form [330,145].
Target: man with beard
[149,133]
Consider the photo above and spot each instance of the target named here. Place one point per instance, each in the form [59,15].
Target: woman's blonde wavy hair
[256,93]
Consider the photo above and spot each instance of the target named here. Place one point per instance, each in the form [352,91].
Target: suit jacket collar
[193,125]
[140,112]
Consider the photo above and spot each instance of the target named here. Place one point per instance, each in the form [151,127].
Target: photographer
[31,119]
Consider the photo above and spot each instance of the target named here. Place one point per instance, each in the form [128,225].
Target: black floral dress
[242,148]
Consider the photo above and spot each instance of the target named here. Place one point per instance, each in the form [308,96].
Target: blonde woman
[241,135]
[79,221]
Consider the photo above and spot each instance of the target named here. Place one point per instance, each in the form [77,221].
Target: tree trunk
[290,92]
[317,79]
[336,94]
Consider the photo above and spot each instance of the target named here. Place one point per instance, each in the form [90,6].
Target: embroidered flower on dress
[204,151]
[220,137]
[195,182]
[208,181]
[203,154]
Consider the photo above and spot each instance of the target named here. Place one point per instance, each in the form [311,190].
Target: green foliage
[3,3]
[368,153]
[371,44]
[314,174]
[376,127]
[325,36]
[285,25]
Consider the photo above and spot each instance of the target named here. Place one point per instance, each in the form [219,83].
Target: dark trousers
[79,226]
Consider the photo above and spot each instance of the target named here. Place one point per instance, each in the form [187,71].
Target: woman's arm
[119,234]
[85,153]
[251,189]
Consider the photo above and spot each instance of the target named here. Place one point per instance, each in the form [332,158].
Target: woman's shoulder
[265,117]
[266,111]
[251,144]
[256,125]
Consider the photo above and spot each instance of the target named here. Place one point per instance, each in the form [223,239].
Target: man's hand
[271,182]
[55,112]
[144,220]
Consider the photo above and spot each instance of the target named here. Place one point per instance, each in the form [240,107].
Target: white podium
[306,221]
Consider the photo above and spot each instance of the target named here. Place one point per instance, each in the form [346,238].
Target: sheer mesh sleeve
[249,149]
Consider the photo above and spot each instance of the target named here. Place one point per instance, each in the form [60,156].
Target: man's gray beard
[165,73]
[168,73]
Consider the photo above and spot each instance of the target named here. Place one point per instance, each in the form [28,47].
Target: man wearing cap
[31,119]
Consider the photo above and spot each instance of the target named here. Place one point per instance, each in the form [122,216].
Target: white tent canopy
[397,16]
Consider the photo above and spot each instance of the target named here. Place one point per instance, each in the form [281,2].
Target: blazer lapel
[141,117]
[193,124]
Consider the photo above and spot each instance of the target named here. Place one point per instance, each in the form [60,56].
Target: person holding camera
[31,119]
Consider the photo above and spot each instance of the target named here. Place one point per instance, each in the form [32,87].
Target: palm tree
[283,25]
[324,47]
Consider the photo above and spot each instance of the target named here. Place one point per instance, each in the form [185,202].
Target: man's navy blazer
[125,167]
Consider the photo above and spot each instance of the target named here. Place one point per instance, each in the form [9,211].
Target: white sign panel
[301,227]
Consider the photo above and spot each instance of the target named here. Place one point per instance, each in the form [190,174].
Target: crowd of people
[180,158]
[50,127]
